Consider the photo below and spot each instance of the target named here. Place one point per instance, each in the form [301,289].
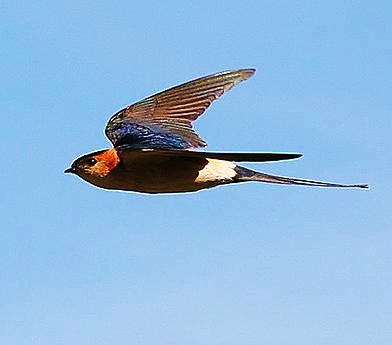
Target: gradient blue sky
[247,264]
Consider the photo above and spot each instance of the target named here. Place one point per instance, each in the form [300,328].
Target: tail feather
[244,174]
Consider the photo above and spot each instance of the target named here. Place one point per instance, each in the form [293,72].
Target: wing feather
[127,151]
[171,112]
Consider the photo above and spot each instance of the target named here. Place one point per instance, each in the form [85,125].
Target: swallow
[153,142]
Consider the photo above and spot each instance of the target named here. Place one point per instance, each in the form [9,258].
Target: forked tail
[244,174]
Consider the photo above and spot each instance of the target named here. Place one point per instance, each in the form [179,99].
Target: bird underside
[175,171]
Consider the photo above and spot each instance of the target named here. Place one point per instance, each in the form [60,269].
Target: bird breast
[168,176]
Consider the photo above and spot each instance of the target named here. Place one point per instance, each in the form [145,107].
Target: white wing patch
[216,170]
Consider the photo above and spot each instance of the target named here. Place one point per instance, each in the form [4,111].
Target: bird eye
[91,161]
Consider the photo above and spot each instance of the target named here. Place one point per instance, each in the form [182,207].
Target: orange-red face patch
[106,162]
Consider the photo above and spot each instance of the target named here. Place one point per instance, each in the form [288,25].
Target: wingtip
[247,72]
[241,74]
[362,186]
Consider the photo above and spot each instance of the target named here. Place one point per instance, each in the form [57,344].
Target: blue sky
[245,264]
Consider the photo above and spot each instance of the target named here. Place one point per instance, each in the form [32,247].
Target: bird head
[98,164]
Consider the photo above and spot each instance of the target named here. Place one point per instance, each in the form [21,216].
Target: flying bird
[153,141]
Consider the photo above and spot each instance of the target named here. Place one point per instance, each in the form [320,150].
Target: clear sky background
[246,264]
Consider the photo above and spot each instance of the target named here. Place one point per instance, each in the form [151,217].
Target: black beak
[69,171]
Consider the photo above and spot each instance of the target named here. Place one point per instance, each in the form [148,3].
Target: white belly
[216,171]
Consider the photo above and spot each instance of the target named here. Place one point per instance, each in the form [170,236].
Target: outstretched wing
[128,152]
[165,120]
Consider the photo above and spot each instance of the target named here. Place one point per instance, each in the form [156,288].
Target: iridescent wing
[165,120]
